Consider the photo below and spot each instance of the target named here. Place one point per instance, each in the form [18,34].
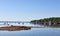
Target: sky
[27,10]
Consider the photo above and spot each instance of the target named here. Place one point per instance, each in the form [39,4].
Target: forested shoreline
[47,21]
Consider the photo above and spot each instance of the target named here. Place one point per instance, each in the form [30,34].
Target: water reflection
[33,32]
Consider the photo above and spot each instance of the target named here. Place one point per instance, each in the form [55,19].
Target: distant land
[52,21]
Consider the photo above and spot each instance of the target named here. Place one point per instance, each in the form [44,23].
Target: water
[33,32]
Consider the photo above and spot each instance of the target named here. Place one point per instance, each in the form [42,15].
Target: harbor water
[32,32]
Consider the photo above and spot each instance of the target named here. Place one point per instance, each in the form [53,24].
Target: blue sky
[26,10]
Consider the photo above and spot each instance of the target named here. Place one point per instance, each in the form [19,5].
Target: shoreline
[15,28]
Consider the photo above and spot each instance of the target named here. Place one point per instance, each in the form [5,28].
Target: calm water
[33,32]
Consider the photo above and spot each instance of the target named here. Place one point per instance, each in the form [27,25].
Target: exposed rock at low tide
[15,28]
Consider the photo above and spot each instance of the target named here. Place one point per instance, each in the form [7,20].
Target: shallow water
[32,32]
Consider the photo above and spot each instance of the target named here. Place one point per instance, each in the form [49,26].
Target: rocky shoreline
[15,28]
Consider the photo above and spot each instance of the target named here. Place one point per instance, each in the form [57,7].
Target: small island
[52,21]
[15,28]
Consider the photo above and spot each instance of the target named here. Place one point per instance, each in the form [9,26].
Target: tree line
[52,19]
